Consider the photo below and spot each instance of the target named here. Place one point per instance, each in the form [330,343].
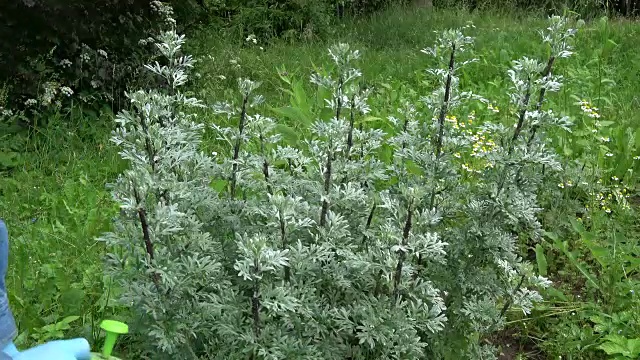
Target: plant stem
[445,104]
[369,221]
[255,300]
[509,302]
[521,117]
[329,163]
[402,254]
[236,148]
[543,90]
[142,215]
[283,240]
[265,165]
[351,123]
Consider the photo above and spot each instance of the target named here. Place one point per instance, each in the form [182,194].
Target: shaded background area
[37,36]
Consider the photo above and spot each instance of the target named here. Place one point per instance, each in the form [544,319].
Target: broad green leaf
[633,345]
[371,119]
[219,185]
[557,294]
[612,348]
[69,319]
[590,278]
[289,134]
[541,259]
[295,114]
[600,253]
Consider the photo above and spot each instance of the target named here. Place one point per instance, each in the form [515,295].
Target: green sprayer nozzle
[113,329]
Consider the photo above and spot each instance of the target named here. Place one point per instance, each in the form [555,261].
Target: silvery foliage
[485,277]
[318,245]
[161,256]
[322,250]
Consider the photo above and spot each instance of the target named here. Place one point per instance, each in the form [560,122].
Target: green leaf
[557,294]
[289,134]
[572,259]
[633,345]
[600,253]
[219,185]
[616,344]
[300,98]
[541,259]
[606,123]
[577,226]
[295,114]
[371,119]
[69,319]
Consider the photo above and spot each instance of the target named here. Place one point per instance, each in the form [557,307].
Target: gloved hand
[76,349]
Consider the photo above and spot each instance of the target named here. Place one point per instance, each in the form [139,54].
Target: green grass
[55,201]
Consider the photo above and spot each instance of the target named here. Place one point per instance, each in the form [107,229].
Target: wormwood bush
[352,243]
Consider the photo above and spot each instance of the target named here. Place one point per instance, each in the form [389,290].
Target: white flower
[66,90]
[251,38]
[102,53]
[636,158]
[65,63]
[614,178]
[31,102]
[561,185]
[609,154]
[605,139]
[85,57]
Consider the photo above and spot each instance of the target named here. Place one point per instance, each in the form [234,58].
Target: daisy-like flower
[588,109]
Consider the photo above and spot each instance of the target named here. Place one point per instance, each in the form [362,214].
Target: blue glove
[76,349]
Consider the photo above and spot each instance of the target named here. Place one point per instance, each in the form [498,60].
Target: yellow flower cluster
[588,109]
[481,143]
[617,194]
[453,120]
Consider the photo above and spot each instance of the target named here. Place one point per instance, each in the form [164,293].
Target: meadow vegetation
[423,221]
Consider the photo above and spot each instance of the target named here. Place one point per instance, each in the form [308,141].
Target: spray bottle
[112,329]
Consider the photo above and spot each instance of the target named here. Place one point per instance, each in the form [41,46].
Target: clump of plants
[348,242]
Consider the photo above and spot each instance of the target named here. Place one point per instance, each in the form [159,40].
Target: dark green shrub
[89,46]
